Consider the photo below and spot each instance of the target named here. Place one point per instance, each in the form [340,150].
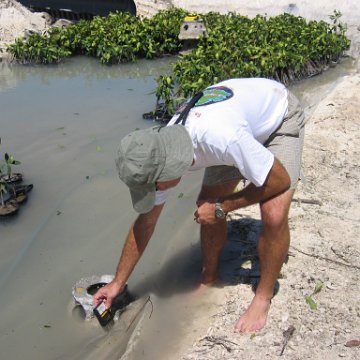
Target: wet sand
[64,124]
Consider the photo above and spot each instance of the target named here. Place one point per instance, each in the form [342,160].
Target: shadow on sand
[239,264]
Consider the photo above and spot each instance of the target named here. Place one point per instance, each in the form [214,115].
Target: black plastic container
[106,316]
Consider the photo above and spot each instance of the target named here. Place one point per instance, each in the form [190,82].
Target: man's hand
[205,213]
[107,293]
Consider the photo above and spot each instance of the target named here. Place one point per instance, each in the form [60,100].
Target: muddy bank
[324,252]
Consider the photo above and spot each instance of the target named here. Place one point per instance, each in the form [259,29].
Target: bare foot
[254,318]
[200,288]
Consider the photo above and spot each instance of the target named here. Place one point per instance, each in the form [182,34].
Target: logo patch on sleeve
[211,96]
[214,95]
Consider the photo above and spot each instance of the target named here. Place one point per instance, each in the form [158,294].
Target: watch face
[219,213]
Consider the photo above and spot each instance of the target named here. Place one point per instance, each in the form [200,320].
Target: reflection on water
[86,68]
[64,123]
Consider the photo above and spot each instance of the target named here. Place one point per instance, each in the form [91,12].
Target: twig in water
[139,311]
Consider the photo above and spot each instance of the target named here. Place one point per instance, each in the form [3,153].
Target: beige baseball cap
[158,153]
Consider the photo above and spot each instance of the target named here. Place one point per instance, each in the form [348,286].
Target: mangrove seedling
[9,176]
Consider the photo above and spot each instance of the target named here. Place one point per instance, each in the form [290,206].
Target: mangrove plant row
[116,38]
[284,47]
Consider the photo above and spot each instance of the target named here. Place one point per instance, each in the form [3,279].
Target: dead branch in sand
[287,336]
[340,255]
[307,201]
[139,311]
[326,259]
[212,341]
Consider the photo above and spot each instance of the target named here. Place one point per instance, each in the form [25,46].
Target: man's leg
[273,247]
[286,144]
[213,237]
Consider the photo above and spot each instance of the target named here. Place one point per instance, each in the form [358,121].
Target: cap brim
[143,198]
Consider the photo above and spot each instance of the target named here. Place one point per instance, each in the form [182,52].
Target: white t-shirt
[230,124]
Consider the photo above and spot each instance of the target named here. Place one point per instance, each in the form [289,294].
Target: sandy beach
[325,250]
[316,312]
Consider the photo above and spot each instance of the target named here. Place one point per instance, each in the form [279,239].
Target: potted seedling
[10,177]
[18,191]
[11,192]
[7,206]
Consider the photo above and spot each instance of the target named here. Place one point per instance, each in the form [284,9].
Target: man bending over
[238,129]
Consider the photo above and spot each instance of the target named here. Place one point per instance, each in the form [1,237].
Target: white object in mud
[192,30]
[84,290]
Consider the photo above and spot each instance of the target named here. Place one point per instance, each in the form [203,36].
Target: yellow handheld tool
[191,17]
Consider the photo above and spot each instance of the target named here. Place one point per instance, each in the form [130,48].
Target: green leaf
[311,302]
[318,287]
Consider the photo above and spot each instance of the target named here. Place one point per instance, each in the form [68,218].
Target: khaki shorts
[286,143]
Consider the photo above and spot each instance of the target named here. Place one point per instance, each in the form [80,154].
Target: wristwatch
[219,212]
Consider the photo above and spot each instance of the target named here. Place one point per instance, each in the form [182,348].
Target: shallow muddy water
[64,123]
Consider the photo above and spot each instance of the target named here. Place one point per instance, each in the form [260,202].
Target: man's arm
[135,244]
[277,182]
